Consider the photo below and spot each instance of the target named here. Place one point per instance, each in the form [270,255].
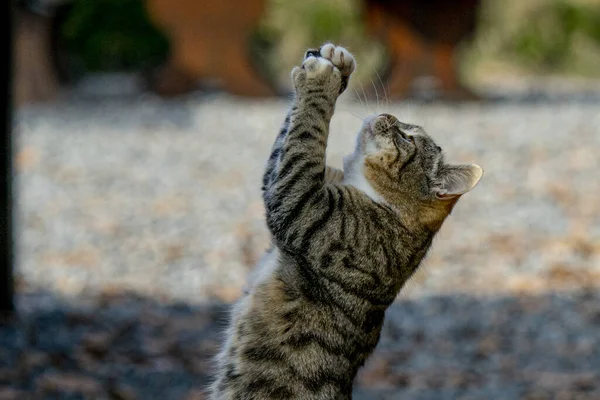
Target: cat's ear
[457,180]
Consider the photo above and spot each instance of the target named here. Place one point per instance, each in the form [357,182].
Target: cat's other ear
[457,180]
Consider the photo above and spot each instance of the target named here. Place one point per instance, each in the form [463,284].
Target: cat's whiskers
[385,93]
[366,99]
[359,99]
[353,114]
[376,95]
[398,109]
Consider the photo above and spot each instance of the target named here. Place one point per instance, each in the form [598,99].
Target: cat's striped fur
[343,244]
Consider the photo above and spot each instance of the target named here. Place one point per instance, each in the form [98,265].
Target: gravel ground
[445,347]
[162,198]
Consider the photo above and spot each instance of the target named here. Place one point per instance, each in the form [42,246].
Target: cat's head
[401,165]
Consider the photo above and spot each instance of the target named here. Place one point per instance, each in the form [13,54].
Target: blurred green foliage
[112,35]
[535,37]
[549,38]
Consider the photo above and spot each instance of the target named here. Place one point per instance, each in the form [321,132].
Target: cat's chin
[366,130]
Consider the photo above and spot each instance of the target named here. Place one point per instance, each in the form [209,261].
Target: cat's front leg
[345,63]
[318,82]
[297,189]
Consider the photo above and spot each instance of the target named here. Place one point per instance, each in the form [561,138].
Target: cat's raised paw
[341,58]
[318,66]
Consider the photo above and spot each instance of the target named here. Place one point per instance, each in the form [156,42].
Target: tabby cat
[344,243]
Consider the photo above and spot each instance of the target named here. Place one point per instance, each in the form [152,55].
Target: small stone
[196,365]
[34,359]
[121,391]
[69,383]
[379,374]
[459,380]
[196,394]
[163,364]
[97,344]
[537,395]
[566,395]
[419,380]
[178,324]
[376,374]
[11,394]
[488,345]
[7,375]
[586,383]
[153,347]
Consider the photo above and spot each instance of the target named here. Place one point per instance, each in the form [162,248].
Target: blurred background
[456,51]
[141,129]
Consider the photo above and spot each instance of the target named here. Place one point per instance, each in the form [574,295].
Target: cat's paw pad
[339,57]
[317,67]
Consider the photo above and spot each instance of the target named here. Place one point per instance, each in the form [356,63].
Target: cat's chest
[358,181]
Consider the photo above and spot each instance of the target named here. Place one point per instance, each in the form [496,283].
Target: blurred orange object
[209,40]
[421,37]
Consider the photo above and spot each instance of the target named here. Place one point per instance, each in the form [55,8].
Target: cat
[344,243]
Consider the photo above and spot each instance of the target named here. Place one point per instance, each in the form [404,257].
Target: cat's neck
[354,176]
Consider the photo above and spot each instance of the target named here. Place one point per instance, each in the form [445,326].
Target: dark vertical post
[6,214]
